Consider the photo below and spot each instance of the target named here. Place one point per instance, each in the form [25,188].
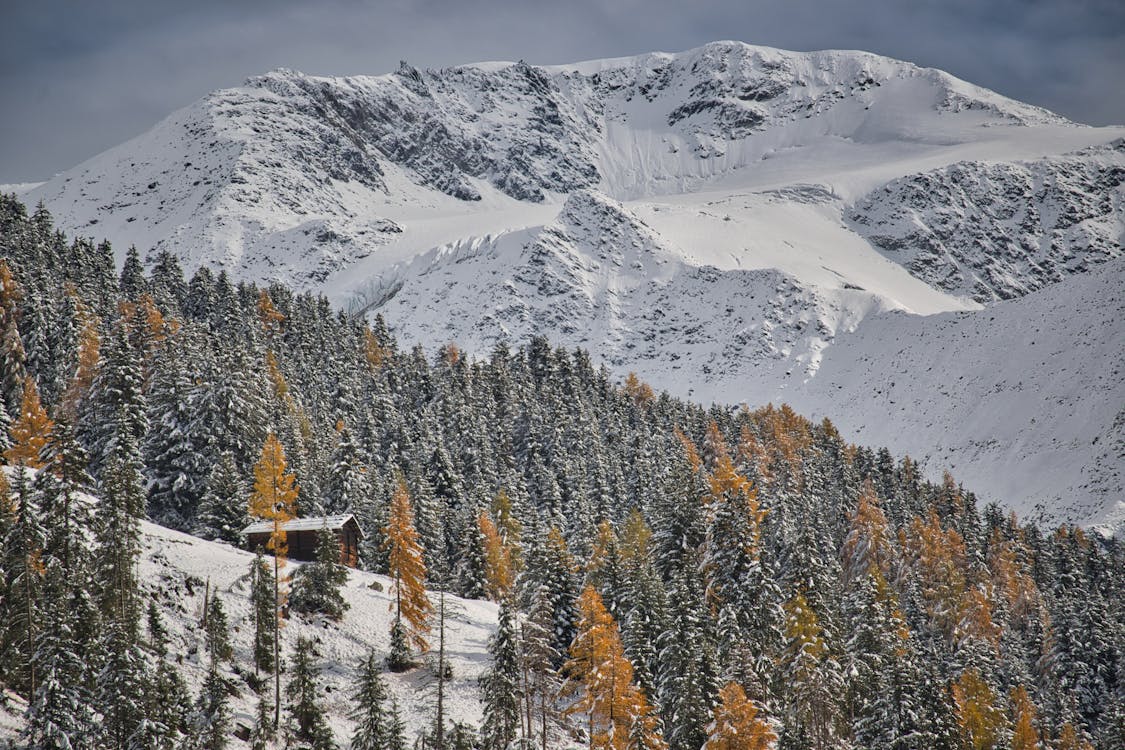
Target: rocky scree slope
[996,231]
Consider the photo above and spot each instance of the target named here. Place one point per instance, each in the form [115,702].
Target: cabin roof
[312,523]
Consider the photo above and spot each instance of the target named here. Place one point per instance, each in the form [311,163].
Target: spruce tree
[169,704]
[370,710]
[306,713]
[262,613]
[222,510]
[316,585]
[501,690]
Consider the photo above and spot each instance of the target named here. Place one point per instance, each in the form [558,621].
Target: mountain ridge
[779,199]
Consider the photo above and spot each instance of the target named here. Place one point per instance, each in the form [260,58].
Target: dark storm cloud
[77,77]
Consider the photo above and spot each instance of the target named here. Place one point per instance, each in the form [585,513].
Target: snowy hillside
[175,570]
[1024,403]
[715,219]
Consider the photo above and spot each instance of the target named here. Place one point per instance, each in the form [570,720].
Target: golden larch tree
[268,315]
[510,528]
[374,352]
[1069,739]
[867,548]
[31,430]
[616,709]
[637,390]
[737,724]
[498,575]
[407,567]
[1024,734]
[980,721]
[274,499]
[88,354]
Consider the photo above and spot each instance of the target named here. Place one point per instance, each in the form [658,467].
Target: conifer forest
[664,575]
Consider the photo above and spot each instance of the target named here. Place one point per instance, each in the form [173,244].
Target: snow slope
[1024,403]
[721,220]
[175,570]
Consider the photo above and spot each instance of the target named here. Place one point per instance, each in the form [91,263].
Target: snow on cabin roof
[312,523]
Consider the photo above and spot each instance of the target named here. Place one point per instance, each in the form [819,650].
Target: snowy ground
[176,568]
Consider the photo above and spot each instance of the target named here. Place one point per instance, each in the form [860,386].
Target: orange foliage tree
[89,352]
[30,431]
[736,724]
[617,712]
[940,561]
[498,573]
[408,569]
[1024,734]
[637,390]
[274,499]
[981,722]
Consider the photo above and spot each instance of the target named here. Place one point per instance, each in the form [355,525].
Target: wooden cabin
[301,535]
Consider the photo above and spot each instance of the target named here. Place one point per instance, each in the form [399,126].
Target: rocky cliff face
[996,231]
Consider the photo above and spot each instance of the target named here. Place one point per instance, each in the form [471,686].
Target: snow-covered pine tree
[370,707]
[316,585]
[22,569]
[115,407]
[307,722]
[538,658]
[262,613]
[501,691]
[169,703]
[12,354]
[124,677]
[222,510]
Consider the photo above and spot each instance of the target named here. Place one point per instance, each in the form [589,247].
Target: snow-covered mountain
[726,221]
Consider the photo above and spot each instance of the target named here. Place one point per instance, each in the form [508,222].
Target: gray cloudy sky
[80,76]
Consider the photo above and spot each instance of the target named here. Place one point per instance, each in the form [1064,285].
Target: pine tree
[60,712]
[222,511]
[217,631]
[210,722]
[264,731]
[500,687]
[736,724]
[12,355]
[169,704]
[316,585]
[687,664]
[263,613]
[124,678]
[23,579]
[115,406]
[411,606]
[537,660]
[370,710]
[308,722]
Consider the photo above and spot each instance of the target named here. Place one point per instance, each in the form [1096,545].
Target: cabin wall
[302,545]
